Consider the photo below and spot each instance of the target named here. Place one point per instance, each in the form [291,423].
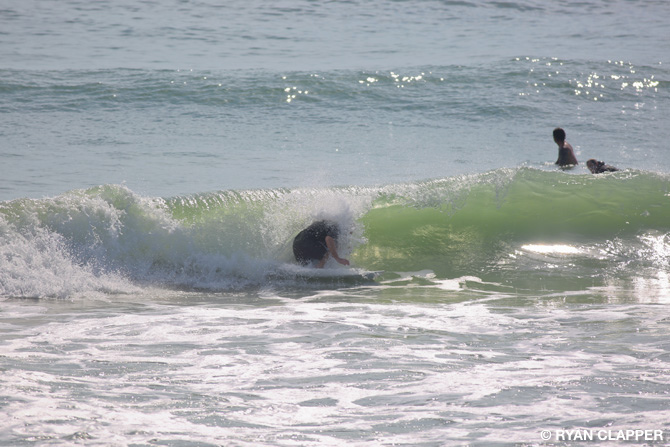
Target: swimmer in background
[598,167]
[316,243]
[566,156]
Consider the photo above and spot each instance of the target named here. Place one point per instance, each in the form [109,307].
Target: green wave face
[457,225]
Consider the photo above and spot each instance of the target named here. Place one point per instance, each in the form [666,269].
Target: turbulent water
[157,159]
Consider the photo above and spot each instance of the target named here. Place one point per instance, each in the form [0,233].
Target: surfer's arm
[332,249]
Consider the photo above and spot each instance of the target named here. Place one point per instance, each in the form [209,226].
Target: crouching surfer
[315,243]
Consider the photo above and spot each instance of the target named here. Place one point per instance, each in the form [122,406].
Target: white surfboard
[326,274]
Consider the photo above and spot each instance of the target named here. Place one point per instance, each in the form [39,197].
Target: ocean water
[157,159]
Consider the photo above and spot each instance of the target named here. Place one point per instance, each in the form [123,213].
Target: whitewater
[157,160]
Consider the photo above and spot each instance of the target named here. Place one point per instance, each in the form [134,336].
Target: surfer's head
[559,135]
[594,165]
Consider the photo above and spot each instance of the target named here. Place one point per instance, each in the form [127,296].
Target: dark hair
[595,166]
[559,134]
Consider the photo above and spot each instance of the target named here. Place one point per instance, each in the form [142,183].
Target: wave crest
[109,239]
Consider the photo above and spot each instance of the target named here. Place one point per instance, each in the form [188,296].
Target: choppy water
[157,159]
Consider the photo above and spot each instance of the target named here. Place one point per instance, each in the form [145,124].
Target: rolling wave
[411,88]
[109,239]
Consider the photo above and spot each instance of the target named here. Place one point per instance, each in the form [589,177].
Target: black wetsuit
[310,244]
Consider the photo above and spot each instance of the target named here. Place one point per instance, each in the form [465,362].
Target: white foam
[559,249]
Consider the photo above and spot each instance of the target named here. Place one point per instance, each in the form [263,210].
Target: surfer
[598,167]
[315,243]
[566,156]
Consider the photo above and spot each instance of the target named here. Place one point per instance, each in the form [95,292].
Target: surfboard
[325,274]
